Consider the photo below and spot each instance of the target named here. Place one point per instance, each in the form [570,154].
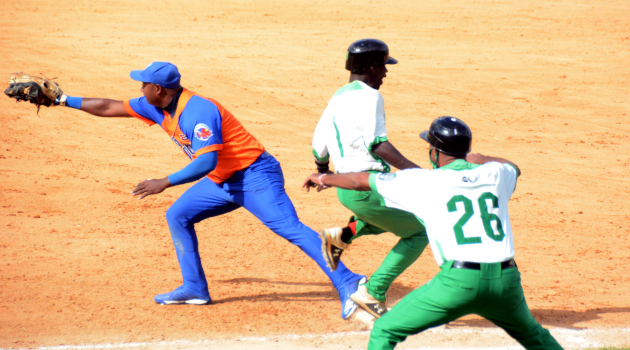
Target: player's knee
[175,216]
[418,241]
[283,223]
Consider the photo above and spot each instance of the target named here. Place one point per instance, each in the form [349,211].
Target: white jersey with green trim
[353,121]
[463,206]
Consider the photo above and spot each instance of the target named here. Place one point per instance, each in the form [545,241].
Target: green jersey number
[486,217]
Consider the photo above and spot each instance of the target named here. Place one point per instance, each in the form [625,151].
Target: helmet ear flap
[434,161]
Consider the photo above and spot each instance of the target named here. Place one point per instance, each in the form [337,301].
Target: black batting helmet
[364,53]
[449,135]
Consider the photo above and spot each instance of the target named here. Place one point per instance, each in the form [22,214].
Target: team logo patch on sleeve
[202,132]
[386,176]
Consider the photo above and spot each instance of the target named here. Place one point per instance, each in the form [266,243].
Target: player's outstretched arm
[198,168]
[478,158]
[43,91]
[348,181]
[100,107]
[387,152]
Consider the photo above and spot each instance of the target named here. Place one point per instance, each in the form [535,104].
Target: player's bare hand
[313,180]
[150,186]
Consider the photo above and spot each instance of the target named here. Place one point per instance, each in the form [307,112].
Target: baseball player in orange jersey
[234,168]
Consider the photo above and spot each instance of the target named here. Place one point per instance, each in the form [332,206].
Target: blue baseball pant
[258,188]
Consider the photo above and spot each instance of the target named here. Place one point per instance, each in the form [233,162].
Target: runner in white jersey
[463,203]
[352,123]
[352,133]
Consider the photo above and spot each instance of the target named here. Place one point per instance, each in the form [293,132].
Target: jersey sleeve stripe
[321,159]
[379,140]
[372,182]
[207,149]
[133,113]
[515,170]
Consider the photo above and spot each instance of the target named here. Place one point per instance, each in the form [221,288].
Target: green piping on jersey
[349,87]
[518,173]
[325,159]
[439,247]
[377,140]
[338,138]
[372,182]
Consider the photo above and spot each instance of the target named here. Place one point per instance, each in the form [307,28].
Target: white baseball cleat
[332,246]
[367,302]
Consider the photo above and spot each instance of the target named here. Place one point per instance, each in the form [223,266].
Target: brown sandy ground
[543,83]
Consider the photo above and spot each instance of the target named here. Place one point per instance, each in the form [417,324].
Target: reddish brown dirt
[543,83]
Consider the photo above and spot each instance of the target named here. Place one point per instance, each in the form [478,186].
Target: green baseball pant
[493,293]
[372,219]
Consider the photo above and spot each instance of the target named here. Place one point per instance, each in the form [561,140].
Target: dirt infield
[543,83]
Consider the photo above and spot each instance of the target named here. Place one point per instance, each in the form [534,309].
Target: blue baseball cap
[159,73]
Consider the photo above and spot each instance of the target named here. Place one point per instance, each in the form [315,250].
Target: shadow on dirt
[396,291]
[270,282]
[546,317]
[556,318]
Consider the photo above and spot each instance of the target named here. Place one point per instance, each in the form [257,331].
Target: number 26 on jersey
[486,217]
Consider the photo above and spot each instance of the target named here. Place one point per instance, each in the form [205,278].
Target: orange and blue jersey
[201,125]
[245,176]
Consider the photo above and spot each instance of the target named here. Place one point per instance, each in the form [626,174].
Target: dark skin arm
[360,181]
[477,158]
[151,186]
[102,107]
[194,171]
[387,152]
[349,181]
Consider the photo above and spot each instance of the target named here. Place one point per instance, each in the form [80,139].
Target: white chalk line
[576,338]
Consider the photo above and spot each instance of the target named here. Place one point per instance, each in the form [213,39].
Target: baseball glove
[37,90]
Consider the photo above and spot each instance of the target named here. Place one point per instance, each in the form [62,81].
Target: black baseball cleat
[332,246]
